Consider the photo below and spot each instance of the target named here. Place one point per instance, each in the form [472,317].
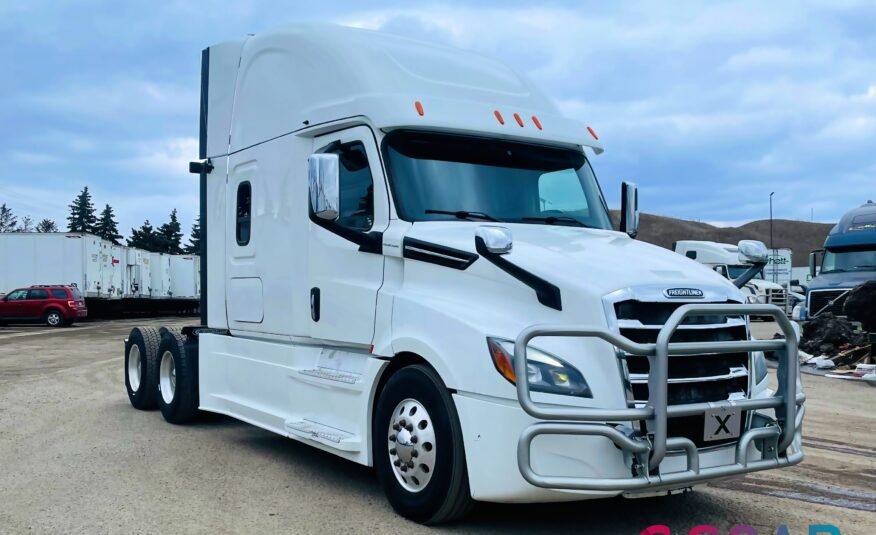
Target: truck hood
[763,285]
[592,261]
[842,279]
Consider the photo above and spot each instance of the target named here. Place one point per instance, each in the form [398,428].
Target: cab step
[330,436]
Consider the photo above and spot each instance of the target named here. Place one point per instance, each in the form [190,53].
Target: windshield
[464,177]
[849,260]
[736,271]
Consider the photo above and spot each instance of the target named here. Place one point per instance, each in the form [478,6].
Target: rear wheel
[177,379]
[418,449]
[54,318]
[141,367]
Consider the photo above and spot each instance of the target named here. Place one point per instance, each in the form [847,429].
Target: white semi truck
[724,259]
[409,263]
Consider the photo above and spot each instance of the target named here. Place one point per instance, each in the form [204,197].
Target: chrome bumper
[773,438]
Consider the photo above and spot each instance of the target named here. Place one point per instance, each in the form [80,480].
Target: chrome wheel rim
[54,319]
[167,377]
[411,445]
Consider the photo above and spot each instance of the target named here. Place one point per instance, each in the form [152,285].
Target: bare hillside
[801,236]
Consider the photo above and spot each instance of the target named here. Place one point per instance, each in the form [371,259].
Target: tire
[177,379]
[54,318]
[141,367]
[444,495]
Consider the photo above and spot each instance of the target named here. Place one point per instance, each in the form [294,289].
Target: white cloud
[118,99]
[168,158]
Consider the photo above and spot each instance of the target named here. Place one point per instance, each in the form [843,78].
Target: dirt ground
[75,457]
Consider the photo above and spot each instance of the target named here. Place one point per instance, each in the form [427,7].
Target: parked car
[56,305]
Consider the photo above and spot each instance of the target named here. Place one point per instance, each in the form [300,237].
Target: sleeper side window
[243,211]
[356,210]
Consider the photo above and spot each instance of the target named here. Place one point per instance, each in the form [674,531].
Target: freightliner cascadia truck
[409,263]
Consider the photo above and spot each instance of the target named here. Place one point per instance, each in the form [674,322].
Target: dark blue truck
[847,260]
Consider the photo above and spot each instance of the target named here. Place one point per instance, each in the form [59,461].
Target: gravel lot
[76,457]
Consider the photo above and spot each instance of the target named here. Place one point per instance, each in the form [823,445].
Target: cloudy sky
[708,106]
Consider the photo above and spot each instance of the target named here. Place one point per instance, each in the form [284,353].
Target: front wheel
[418,448]
[54,318]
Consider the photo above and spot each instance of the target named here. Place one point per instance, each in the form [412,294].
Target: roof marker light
[518,119]
[592,133]
[499,117]
[419,107]
[536,122]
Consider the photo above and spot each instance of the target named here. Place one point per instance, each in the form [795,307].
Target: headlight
[760,367]
[545,373]
[762,299]
[756,299]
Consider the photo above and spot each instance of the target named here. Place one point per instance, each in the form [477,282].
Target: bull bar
[772,437]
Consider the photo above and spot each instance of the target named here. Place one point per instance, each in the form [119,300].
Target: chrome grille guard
[772,439]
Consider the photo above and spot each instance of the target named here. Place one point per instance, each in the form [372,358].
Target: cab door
[13,304]
[345,255]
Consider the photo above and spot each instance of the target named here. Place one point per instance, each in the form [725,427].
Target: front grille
[821,301]
[692,378]
[777,297]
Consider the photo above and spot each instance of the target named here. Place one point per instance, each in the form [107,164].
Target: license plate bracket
[722,423]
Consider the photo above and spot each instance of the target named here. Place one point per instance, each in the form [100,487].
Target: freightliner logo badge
[683,292]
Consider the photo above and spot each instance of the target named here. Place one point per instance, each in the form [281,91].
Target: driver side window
[356,210]
[17,295]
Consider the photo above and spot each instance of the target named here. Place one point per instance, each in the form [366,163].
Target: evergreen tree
[144,238]
[107,227]
[194,246]
[8,221]
[26,224]
[170,235]
[82,216]
[46,225]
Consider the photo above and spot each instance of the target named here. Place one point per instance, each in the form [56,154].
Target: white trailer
[28,258]
[183,273]
[159,276]
[409,264]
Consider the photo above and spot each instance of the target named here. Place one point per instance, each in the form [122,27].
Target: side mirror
[497,240]
[323,182]
[629,222]
[752,252]
[813,263]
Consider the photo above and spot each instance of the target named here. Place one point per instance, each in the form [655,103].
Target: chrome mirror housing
[629,222]
[323,182]
[497,240]
[752,252]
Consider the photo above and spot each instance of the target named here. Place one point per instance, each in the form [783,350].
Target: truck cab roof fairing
[289,78]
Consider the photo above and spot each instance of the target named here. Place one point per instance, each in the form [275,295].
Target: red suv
[56,305]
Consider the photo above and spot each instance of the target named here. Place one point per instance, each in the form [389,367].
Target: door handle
[314,304]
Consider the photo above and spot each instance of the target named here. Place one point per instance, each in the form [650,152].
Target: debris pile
[830,342]
[830,336]
[860,305]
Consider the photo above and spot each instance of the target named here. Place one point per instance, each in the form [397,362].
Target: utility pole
[772,250]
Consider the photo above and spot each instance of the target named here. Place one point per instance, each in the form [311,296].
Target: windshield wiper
[463,214]
[554,219]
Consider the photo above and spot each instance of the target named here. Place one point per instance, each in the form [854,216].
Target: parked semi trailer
[409,264]
[113,279]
